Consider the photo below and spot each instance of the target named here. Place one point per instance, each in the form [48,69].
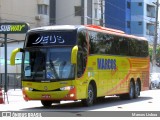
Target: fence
[13,80]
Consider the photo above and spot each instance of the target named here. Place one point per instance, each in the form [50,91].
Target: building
[117,14]
[132,16]
[76,12]
[33,12]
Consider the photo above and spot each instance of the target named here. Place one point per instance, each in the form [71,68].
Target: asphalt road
[148,101]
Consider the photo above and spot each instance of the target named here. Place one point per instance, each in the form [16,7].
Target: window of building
[42,9]
[139,23]
[95,13]
[151,10]
[140,4]
[78,11]
[128,24]
[150,28]
[128,5]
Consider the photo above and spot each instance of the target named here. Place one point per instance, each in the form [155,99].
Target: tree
[157,55]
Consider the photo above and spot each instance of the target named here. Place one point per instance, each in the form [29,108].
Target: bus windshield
[48,64]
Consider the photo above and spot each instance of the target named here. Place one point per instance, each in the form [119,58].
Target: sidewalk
[12,95]
[15,101]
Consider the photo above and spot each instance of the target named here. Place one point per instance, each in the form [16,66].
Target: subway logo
[11,27]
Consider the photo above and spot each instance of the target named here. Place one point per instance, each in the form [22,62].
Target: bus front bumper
[49,95]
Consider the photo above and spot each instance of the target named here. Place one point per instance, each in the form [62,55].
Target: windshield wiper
[53,69]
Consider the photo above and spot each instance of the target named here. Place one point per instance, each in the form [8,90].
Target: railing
[13,80]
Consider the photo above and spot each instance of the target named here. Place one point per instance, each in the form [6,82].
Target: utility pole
[101,20]
[155,37]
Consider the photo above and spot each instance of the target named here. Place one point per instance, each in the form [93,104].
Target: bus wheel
[91,96]
[46,103]
[129,95]
[137,90]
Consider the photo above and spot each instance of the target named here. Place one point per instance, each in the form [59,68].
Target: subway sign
[13,28]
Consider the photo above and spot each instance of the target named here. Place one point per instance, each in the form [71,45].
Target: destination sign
[51,38]
[12,28]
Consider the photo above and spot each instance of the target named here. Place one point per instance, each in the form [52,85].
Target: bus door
[82,53]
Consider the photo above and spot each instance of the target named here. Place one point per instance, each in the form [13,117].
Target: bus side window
[79,65]
[82,53]
[144,49]
[132,47]
[115,45]
[123,46]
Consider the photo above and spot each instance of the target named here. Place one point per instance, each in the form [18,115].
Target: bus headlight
[67,88]
[28,89]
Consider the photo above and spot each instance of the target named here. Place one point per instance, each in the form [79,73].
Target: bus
[82,63]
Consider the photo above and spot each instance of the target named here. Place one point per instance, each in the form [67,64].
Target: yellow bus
[82,62]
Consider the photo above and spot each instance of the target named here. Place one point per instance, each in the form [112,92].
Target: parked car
[154,80]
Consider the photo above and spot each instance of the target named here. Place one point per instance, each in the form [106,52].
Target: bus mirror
[74,55]
[13,55]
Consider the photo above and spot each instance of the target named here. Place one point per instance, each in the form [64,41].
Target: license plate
[46,96]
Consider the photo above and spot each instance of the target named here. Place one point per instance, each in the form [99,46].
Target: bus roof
[112,31]
[56,27]
[89,27]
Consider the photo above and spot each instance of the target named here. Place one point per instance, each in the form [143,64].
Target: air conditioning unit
[38,17]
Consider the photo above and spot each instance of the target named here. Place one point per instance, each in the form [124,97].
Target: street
[148,101]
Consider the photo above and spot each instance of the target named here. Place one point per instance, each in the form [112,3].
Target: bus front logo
[45,88]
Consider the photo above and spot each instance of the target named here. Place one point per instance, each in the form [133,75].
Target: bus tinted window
[135,47]
[123,43]
[102,43]
[144,48]
[82,53]
[115,46]
[93,42]
[50,38]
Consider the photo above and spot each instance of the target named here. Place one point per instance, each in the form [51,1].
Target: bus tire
[137,90]
[129,95]
[46,103]
[91,96]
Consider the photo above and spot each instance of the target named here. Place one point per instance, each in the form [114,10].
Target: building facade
[132,16]
[117,13]
[33,12]
[76,12]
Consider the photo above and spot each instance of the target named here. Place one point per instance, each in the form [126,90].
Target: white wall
[65,13]
[22,11]
[19,11]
